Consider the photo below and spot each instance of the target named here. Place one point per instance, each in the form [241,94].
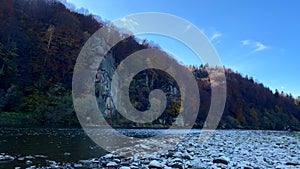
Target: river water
[60,145]
[63,145]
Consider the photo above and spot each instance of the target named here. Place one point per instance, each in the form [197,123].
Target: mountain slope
[39,44]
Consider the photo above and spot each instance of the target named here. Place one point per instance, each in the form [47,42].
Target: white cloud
[215,36]
[255,45]
[245,42]
[123,19]
[127,25]
[259,47]
[128,21]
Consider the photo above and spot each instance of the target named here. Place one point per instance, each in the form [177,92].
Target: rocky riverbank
[224,149]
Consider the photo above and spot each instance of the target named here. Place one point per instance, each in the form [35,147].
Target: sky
[253,37]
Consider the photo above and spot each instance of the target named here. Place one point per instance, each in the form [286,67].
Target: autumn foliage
[39,44]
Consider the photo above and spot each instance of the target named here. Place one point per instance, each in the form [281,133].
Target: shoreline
[136,128]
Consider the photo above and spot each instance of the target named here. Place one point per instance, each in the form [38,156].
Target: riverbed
[72,148]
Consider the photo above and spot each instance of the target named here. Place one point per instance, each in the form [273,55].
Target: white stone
[112,164]
[124,167]
[28,162]
[108,156]
[155,164]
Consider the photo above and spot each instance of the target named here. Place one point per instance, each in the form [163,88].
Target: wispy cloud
[259,47]
[127,24]
[128,21]
[215,36]
[255,45]
[245,42]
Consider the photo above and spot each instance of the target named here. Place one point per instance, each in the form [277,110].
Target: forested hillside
[40,41]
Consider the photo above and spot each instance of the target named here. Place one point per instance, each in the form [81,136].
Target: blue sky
[256,38]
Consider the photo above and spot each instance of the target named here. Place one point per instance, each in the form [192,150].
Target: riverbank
[224,149]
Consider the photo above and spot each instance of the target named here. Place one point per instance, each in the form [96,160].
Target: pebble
[29,157]
[40,156]
[124,167]
[177,160]
[108,156]
[111,164]
[222,160]
[6,158]
[187,156]
[67,154]
[31,167]
[155,164]
[28,162]
[77,165]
